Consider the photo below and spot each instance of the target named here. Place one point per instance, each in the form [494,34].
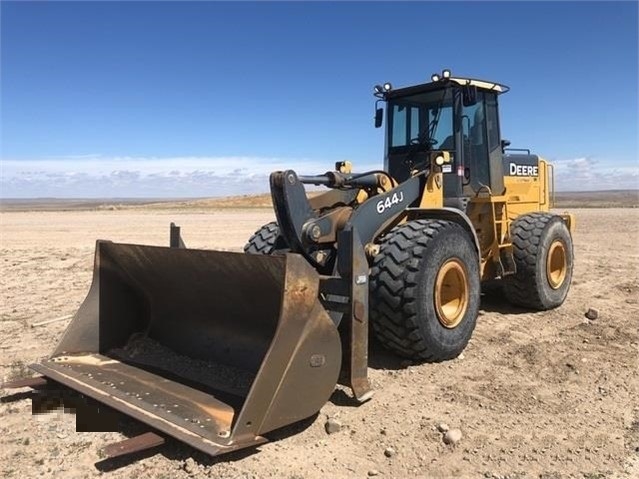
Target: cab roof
[444,82]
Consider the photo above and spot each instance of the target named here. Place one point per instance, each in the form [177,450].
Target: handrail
[551,169]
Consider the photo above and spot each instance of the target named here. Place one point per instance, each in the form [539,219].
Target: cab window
[420,117]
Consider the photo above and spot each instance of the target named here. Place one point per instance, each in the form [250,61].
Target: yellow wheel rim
[451,293]
[556,264]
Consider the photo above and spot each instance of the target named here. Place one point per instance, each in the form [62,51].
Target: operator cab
[458,115]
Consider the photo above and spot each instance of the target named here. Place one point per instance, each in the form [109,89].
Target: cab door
[482,154]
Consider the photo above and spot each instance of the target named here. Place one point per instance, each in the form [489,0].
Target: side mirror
[469,95]
[505,144]
[379,117]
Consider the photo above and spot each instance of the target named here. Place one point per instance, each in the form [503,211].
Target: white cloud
[92,176]
[589,174]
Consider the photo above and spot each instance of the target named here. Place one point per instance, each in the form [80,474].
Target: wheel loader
[219,349]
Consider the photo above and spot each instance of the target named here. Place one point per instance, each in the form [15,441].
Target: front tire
[265,240]
[543,253]
[425,290]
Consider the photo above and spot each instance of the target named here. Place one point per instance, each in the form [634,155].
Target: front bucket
[212,348]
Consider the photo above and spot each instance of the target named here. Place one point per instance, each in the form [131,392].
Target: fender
[445,213]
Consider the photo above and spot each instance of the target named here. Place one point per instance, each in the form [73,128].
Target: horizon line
[177,198]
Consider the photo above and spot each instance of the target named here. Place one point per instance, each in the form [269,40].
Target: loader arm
[314,235]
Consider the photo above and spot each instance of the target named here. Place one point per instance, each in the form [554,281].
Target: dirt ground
[536,395]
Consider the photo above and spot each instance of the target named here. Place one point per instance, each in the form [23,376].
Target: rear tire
[425,290]
[543,253]
[265,240]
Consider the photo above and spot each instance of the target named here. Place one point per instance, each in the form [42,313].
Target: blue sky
[205,98]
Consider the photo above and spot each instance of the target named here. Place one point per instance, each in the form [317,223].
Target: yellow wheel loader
[218,349]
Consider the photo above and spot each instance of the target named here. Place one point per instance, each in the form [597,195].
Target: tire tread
[522,288]
[395,286]
[263,240]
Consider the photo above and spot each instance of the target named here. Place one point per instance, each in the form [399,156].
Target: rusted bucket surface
[213,348]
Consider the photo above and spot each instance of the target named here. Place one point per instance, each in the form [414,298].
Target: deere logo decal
[523,170]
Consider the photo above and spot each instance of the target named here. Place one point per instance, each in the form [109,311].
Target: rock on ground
[332,426]
[452,436]
[592,313]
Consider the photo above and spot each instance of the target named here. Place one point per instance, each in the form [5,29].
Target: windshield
[424,118]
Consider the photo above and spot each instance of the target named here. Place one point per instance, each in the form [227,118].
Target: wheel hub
[451,293]
[556,264]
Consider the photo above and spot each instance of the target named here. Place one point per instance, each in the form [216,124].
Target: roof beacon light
[435,77]
[388,86]
[446,74]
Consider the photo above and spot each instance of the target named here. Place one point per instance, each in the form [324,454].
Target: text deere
[523,170]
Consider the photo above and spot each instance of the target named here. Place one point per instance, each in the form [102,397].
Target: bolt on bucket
[213,348]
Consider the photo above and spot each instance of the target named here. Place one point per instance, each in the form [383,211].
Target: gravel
[189,466]
[145,351]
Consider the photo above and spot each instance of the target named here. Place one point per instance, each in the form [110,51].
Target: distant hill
[572,199]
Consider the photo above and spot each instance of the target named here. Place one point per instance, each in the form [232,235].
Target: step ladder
[502,250]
